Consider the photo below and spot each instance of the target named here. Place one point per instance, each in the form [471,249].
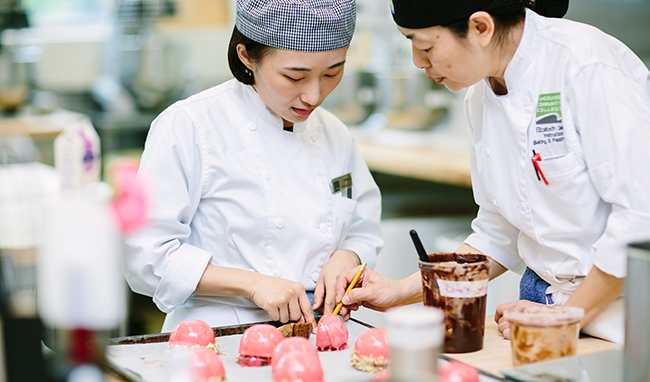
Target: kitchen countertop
[441,158]
[43,126]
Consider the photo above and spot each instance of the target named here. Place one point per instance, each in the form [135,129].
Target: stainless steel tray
[148,358]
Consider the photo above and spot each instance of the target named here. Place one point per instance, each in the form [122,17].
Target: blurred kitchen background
[121,62]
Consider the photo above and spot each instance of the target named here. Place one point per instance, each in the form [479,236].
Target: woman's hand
[282,299]
[503,324]
[376,292]
[325,292]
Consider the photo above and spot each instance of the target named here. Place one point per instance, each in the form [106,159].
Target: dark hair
[508,13]
[255,51]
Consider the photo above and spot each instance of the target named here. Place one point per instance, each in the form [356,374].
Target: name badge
[547,137]
[342,183]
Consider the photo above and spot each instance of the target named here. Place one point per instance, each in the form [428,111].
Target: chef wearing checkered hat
[261,195]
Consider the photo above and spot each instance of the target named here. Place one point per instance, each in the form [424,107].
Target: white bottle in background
[80,282]
[77,155]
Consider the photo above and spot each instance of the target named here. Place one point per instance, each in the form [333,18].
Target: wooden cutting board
[496,353]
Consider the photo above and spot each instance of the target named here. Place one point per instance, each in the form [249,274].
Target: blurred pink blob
[132,198]
[457,372]
[207,366]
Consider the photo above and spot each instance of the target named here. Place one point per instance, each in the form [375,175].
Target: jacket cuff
[505,258]
[182,276]
[365,253]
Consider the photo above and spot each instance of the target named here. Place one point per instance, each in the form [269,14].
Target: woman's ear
[481,27]
[243,56]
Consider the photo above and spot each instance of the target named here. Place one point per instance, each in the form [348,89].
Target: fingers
[306,310]
[319,292]
[330,296]
[343,280]
[498,313]
[295,311]
[503,325]
[274,313]
[355,296]
[506,333]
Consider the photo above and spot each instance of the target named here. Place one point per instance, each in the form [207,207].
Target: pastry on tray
[257,344]
[193,334]
[371,352]
[298,367]
[331,333]
[207,366]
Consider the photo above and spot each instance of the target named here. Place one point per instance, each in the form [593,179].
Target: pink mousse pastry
[298,367]
[457,372]
[291,344]
[207,366]
[193,333]
[371,352]
[331,333]
[257,345]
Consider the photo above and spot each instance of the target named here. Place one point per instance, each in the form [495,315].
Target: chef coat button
[323,227]
[266,175]
[523,206]
[314,276]
[275,273]
[252,126]
[495,204]
[314,137]
[486,152]
[319,179]
[279,223]
[483,100]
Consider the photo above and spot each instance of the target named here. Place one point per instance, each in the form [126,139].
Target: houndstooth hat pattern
[298,25]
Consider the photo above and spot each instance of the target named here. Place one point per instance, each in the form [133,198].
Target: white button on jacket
[233,189]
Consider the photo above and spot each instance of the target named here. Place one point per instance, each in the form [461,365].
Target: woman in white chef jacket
[260,195]
[559,127]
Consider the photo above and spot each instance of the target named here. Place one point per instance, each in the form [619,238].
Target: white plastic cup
[415,335]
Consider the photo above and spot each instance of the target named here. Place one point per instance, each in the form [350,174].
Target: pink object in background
[373,343]
[132,200]
[458,372]
[207,366]
[296,366]
[331,333]
[291,344]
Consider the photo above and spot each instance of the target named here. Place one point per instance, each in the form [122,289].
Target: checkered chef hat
[298,25]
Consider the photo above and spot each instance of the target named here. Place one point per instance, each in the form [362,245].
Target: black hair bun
[550,8]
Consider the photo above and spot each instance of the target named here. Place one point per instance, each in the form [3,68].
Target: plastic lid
[545,315]
[415,316]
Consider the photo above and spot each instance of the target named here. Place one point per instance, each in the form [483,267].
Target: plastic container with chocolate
[540,333]
[457,284]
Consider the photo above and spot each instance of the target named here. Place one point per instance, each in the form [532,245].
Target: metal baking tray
[147,357]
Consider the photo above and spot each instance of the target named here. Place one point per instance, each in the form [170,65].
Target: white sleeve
[612,115]
[492,234]
[364,237]
[157,263]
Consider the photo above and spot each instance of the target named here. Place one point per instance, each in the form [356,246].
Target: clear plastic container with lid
[541,333]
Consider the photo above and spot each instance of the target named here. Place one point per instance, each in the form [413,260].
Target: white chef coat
[581,99]
[233,189]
